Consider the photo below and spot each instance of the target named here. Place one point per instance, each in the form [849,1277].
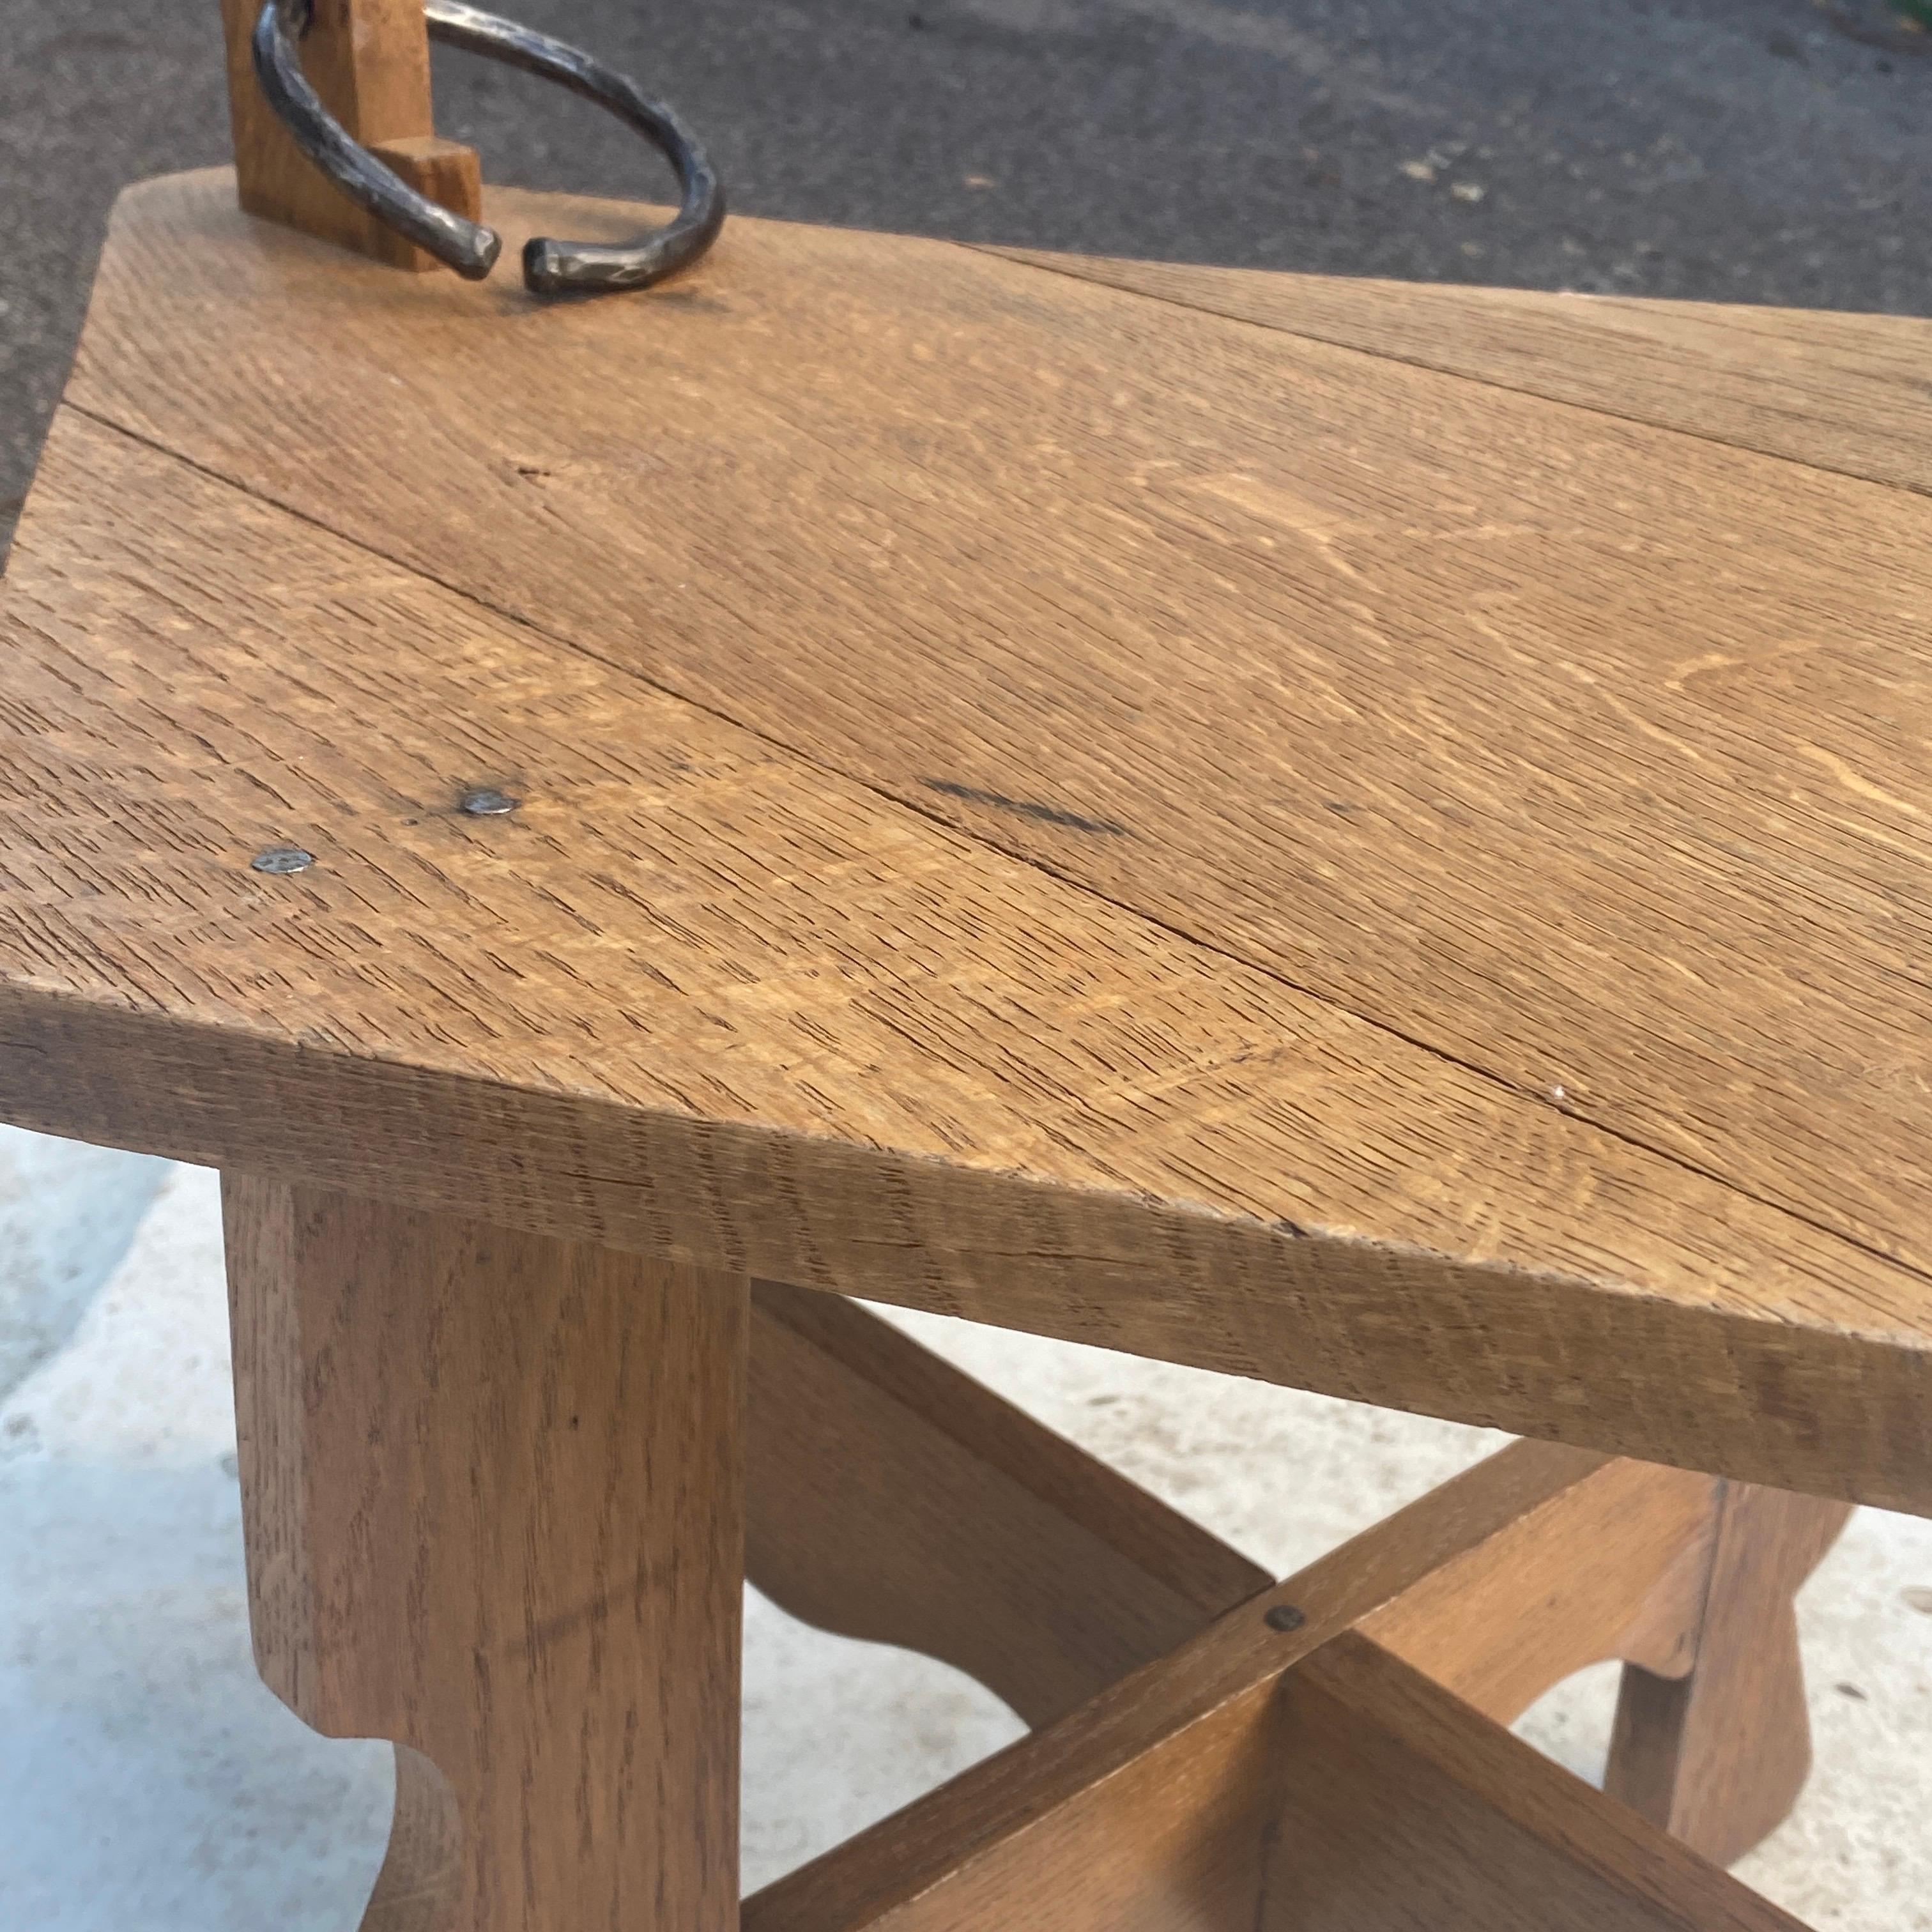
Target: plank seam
[998,252]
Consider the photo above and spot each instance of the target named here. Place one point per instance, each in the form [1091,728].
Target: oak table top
[1369,836]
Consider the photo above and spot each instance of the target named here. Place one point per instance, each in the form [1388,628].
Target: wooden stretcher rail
[1013,1826]
[1398,1806]
[892,1498]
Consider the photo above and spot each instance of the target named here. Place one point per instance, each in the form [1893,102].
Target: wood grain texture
[1529,733]
[1838,392]
[1148,1806]
[892,1498]
[1718,1756]
[1401,928]
[1403,1807]
[1526,733]
[492,1492]
[369,61]
[698,998]
[1628,1581]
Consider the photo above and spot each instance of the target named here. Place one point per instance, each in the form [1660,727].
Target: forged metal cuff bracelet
[550,267]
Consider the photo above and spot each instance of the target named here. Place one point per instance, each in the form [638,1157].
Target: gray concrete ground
[67,1215]
[1766,151]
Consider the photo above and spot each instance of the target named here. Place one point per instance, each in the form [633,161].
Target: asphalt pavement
[1758,151]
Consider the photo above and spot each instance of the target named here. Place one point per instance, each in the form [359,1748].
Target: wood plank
[1529,734]
[369,61]
[1402,1807]
[1167,1834]
[699,999]
[1147,1791]
[1841,391]
[892,1498]
[1718,1756]
[1630,1586]
[491,1488]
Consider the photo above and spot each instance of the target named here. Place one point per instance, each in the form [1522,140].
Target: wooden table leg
[493,1496]
[1717,1757]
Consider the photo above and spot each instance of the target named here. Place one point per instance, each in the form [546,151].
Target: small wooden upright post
[369,61]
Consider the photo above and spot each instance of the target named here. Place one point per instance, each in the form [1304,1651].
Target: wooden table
[1368,836]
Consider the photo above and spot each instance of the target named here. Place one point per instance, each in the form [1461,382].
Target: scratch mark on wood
[1047,815]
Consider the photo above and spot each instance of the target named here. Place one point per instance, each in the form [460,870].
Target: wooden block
[1717,1756]
[369,61]
[447,172]
[491,1492]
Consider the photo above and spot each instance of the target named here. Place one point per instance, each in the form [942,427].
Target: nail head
[282,859]
[486,802]
[1284,1617]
